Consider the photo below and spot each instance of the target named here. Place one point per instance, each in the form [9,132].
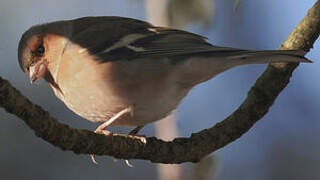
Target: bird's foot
[99,131]
[142,138]
[102,128]
[103,131]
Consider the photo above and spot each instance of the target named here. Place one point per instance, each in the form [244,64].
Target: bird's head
[40,48]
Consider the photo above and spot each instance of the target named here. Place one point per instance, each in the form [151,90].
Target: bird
[120,71]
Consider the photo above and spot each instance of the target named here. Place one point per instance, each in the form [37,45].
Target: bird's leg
[135,130]
[101,129]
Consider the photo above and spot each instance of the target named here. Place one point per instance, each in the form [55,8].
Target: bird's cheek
[37,71]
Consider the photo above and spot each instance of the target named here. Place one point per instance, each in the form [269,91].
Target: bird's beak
[37,71]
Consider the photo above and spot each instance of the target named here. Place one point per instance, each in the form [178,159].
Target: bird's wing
[116,38]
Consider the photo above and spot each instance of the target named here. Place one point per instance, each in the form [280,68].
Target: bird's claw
[99,131]
[93,158]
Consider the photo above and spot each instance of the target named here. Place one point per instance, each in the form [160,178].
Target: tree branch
[192,149]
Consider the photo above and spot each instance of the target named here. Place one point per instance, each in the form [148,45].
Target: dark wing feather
[97,34]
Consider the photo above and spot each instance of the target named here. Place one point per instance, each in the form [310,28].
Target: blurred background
[283,145]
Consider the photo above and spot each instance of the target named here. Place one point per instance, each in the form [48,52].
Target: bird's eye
[40,50]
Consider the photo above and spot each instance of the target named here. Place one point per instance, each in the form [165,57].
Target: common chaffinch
[126,72]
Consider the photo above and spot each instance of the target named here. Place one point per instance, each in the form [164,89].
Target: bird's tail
[211,63]
[261,57]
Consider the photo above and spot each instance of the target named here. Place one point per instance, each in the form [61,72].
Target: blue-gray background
[283,145]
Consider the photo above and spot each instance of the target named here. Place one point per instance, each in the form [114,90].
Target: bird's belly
[97,101]
[99,105]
